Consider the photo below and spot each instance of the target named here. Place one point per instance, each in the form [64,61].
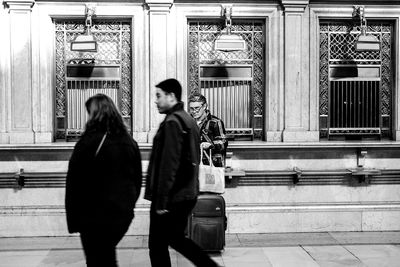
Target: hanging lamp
[86,42]
[227,41]
[365,42]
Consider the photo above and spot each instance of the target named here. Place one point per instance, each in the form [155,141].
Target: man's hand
[162,212]
[205,145]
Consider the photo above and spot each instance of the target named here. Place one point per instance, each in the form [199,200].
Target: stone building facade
[315,124]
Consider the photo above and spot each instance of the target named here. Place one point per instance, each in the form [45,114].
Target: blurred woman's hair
[104,115]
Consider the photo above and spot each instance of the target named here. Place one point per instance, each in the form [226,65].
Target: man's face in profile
[197,109]
[164,101]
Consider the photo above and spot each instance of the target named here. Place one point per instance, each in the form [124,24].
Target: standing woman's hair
[104,115]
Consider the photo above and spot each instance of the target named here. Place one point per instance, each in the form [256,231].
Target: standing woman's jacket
[102,189]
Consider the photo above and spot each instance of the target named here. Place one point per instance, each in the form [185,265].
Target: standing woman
[103,182]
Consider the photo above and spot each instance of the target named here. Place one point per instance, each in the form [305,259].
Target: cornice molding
[19,4]
[159,5]
[355,2]
[294,6]
[346,12]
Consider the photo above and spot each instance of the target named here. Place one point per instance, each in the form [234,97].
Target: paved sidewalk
[290,249]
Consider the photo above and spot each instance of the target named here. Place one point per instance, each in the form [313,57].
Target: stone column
[18,85]
[298,101]
[161,53]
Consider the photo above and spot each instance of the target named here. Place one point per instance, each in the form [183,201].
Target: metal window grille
[238,101]
[111,66]
[228,90]
[230,101]
[355,86]
[354,107]
[78,92]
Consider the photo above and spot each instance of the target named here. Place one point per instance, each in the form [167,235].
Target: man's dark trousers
[169,230]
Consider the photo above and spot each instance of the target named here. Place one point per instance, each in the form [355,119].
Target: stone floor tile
[332,256]
[125,257]
[245,264]
[140,258]
[22,258]
[181,261]
[367,237]
[376,255]
[217,257]
[63,258]
[131,241]
[244,257]
[29,243]
[289,257]
[174,257]
[285,239]
[272,250]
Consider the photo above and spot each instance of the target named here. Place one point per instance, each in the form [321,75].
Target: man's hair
[105,115]
[171,86]
[197,97]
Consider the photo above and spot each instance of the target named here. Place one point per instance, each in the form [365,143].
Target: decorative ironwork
[337,47]
[202,35]
[324,67]
[114,48]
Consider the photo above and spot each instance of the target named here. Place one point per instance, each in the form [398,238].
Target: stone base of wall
[250,209]
[300,136]
[50,221]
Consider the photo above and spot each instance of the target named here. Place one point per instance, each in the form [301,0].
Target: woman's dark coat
[102,190]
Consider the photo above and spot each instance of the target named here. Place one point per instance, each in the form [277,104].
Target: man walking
[172,180]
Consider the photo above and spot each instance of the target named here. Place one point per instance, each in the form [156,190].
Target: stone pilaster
[4,62]
[396,96]
[296,73]
[161,59]
[18,87]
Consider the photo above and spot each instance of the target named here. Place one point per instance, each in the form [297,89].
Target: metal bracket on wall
[296,175]
[19,179]
[361,155]
[232,177]
[363,174]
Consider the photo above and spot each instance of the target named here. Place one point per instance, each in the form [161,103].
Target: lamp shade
[368,43]
[230,42]
[84,43]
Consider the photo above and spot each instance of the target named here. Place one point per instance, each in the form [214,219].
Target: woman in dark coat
[103,182]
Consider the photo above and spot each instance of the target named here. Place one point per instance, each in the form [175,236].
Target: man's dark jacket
[172,175]
[102,190]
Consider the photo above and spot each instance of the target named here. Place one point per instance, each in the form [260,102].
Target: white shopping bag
[211,179]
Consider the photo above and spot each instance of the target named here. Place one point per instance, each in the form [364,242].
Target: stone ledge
[232,145]
[230,208]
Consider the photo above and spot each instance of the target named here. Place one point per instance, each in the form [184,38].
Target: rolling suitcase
[207,224]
